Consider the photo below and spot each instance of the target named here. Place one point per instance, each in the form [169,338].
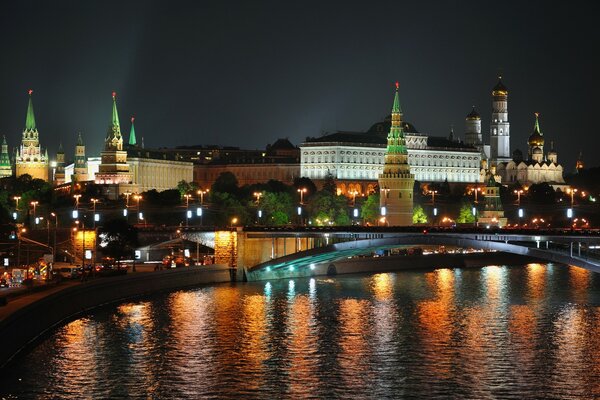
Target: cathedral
[538,167]
[29,158]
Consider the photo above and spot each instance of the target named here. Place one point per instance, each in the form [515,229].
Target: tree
[465,215]
[226,183]
[119,239]
[419,216]
[370,208]
[326,208]
[277,208]
[185,187]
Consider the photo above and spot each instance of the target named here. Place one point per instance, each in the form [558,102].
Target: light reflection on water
[495,332]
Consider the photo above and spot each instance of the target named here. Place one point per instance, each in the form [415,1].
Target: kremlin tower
[5,167]
[113,168]
[80,168]
[396,182]
[59,173]
[30,159]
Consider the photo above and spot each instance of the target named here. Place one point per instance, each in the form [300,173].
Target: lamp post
[519,192]
[55,228]
[16,199]
[572,192]
[258,195]
[475,190]
[302,191]
[187,210]
[354,193]
[94,201]
[34,204]
[433,193]
[201,193]
[137,198]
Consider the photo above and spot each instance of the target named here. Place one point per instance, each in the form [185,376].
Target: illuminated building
[396,182]
[5,166]
[537,168]
[30,159]
[500,127]
[80,168]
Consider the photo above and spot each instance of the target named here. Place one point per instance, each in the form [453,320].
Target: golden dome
[499,89]
[536,138]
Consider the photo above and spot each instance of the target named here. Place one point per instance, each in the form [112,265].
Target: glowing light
[114,94]
[30,91]
[312,266]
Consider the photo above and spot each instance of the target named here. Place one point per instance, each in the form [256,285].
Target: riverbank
[27,317]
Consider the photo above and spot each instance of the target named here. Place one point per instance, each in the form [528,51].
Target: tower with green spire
[536,142]
[30,158]
[80,169]
[396,182]
[5,166]
[59,173]
[113,168]
[132,139]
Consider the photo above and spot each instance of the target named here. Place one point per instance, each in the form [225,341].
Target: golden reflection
[382,286]
[354,324]
[536,280]
[303,347]
[74,331]
[570,342]
[522,328]
[253,350]
[435,321]
[579,280]
[494,277]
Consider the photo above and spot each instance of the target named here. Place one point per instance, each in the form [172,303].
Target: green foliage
[225,207]
[326,208]
[277,208]
[419,216]
[185,187]
[370,208]
[465,215]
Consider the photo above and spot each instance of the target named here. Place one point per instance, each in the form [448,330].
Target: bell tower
[500,127]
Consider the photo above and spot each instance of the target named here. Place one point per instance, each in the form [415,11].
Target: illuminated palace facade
[356,159]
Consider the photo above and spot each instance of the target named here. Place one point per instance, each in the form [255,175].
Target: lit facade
[5,166]
[30,159]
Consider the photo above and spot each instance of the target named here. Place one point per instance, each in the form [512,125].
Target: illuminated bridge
[267,253]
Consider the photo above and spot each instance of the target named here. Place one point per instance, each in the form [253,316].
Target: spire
[536,127]
[30,120]
[79,140]
[114,140]
[395,139]
[132,141]
[4,140]
[396,107]
[115,114]
[60,148]
[451,135]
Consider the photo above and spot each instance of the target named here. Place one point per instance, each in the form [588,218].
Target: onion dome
[499,89]
[552,152]
[537,150]
[473,115]
[536,138]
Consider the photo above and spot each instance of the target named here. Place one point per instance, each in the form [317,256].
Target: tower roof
[396,107]
[30,120]
[536,138]
[60,148]
[132,140]
[79,140]
[115,113]
[473,114]
[499,89]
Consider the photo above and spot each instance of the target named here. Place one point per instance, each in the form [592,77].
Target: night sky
[244,74]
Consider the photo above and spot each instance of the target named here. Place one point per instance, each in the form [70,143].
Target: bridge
[258,253]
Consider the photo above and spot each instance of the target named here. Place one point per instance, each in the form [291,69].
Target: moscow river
[491,333]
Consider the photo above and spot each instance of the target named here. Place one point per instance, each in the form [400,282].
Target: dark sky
[246,73]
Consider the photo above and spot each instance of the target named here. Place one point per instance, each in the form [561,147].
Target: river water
[491,333]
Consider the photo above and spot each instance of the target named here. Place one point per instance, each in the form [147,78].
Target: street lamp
[16,199]
[302,191]
[433,193]
[127,194]
[519,192]
[55,228]
[353,193]
[475,190]
[94,201]
[258,196]
[137,198]
[34,204]
[201,193]
[572,192]
[188,214]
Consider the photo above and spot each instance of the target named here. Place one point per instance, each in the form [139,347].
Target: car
[70,272]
